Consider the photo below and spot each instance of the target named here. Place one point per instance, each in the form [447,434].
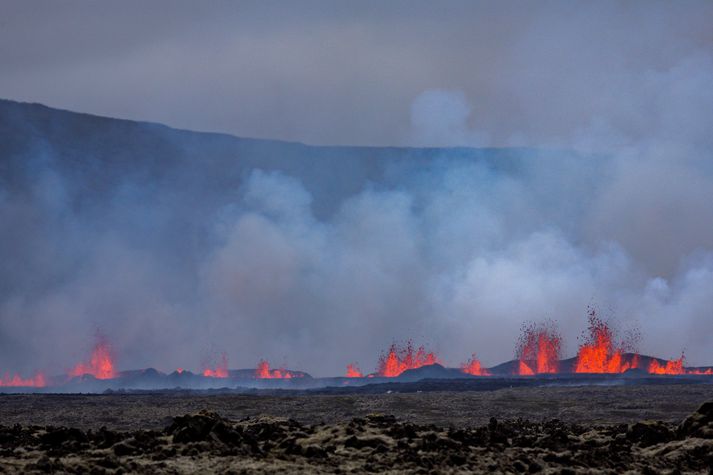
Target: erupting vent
[100,365]
[675,367]
[353,371]
[538,352]
[538,349]
[263,371]
[473,367]
[220,370]
[599,353]
[399,359]
[37,381]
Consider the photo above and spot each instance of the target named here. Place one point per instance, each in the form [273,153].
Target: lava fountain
[676,367]
[671,367]
[353,371]
[599,353]
[399,359]
[100,365]
[263,371]
[538,349]
[220,370]
[473,367]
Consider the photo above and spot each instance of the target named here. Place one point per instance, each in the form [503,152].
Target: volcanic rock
[204,427]
[650,433]
[700,423]
[207,442]
[56,437]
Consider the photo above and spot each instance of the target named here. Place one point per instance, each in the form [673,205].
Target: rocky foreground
[377,443]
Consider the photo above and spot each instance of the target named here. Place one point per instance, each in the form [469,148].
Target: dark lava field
[584,429]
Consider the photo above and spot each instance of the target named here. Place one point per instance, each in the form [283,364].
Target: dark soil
[580,404]
[543,430]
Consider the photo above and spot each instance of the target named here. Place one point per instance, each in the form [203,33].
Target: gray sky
[350,72]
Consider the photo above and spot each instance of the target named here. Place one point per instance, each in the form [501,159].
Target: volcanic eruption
[220,370]
[538,349]
[353,371]
[401,358]
[37,381]
[473,367]
[675,367]
[599,352]
[538,352]
[263,371]
[100,364]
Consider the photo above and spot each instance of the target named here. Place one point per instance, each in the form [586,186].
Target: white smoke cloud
[452,252]
[440,118]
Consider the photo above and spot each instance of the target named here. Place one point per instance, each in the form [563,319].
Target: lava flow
[523,369]
[100,365]
[675,367]
[671,367]
[700,372]
[473,367]
[538,350]
[598,353]
[221,369]
[399,359]
[353,371]
[37,381]
[263,371]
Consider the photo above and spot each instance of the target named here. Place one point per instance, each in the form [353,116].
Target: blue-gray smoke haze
[609,203]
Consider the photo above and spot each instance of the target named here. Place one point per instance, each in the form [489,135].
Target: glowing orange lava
[263,371]
[708,371]
[353,371]
[523,369]
[399,359]
[100,365]
[473,366]
[599,354]
[37,381]
[221,369]
[676,367]
[538,349]
[671,367]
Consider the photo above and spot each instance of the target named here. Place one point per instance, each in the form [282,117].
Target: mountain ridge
[88,115]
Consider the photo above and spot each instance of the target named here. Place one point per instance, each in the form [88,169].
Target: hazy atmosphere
[351,73]
[596,187]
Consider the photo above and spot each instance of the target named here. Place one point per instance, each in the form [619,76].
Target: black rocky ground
[581,404]
[206,442]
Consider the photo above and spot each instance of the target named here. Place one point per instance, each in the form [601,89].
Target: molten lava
[538,349]
[671,367]
[708,371]
[399,359]
[37,381]
[599,353]
[221,369]
[353,371]
[523,369]
[676,367]
[100,365]
[263,371]
[473,366]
